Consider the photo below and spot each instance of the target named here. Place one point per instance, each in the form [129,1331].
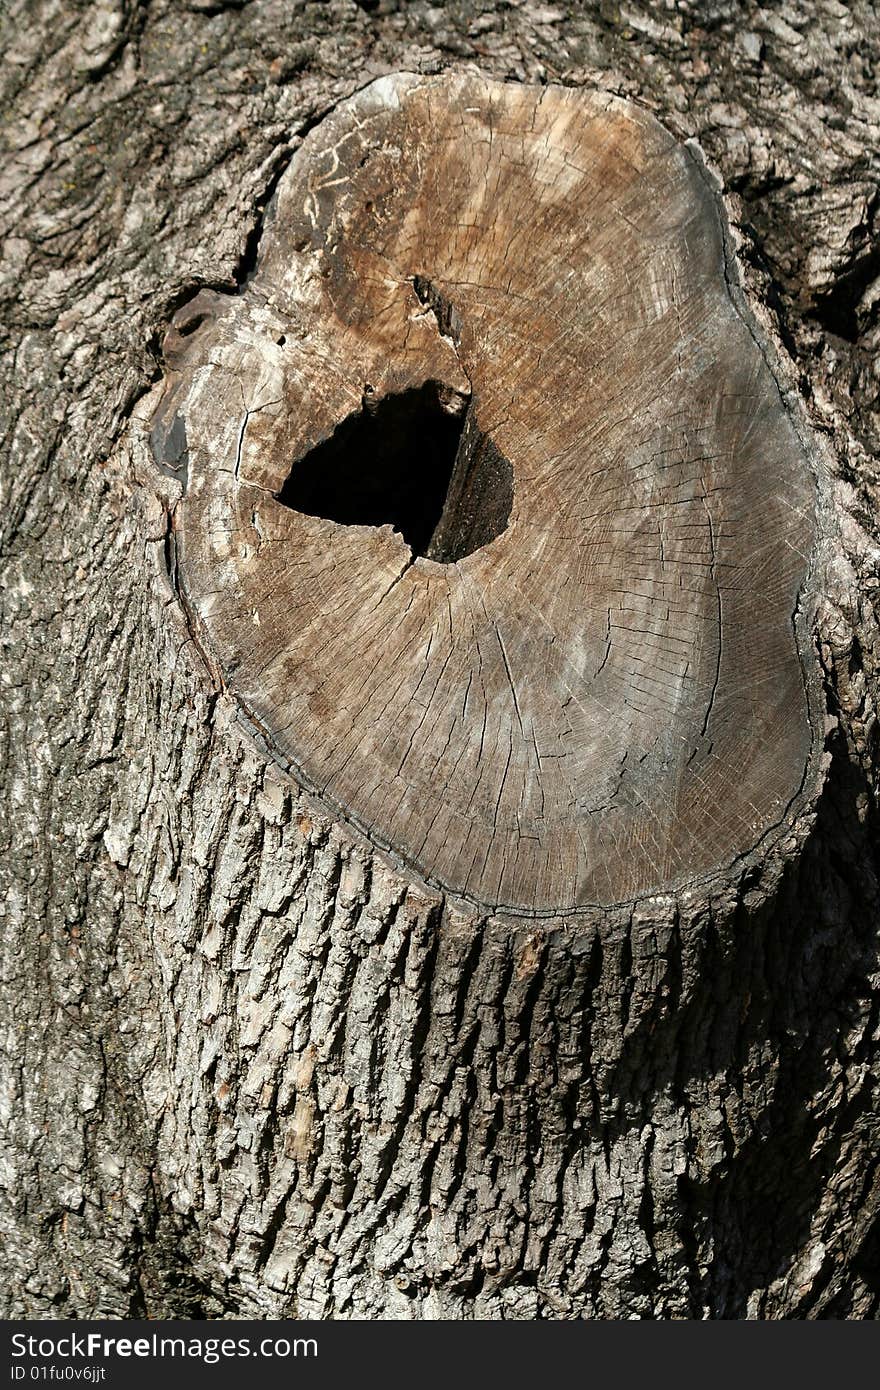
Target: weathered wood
[250,1066]
[602,690]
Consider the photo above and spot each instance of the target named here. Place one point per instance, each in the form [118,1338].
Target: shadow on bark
[772,1001]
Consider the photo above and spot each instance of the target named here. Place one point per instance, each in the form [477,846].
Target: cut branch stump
[498,517]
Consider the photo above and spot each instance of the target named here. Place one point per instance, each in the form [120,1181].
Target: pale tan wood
[611,695]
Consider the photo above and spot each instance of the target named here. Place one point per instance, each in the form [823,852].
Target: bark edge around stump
[497,513]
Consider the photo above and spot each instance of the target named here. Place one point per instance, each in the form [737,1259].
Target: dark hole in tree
[407,461]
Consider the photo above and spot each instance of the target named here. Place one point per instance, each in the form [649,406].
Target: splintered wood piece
[496,520]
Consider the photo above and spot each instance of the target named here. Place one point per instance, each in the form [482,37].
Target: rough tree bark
[253,1063]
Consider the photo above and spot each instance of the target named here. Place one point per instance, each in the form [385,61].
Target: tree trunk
[270,1049]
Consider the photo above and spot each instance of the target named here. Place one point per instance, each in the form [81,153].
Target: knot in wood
[495,519]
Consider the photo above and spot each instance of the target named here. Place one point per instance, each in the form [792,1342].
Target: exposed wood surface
[604,698]
[250,1066]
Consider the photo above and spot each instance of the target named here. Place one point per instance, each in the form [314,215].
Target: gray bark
[250,1066]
